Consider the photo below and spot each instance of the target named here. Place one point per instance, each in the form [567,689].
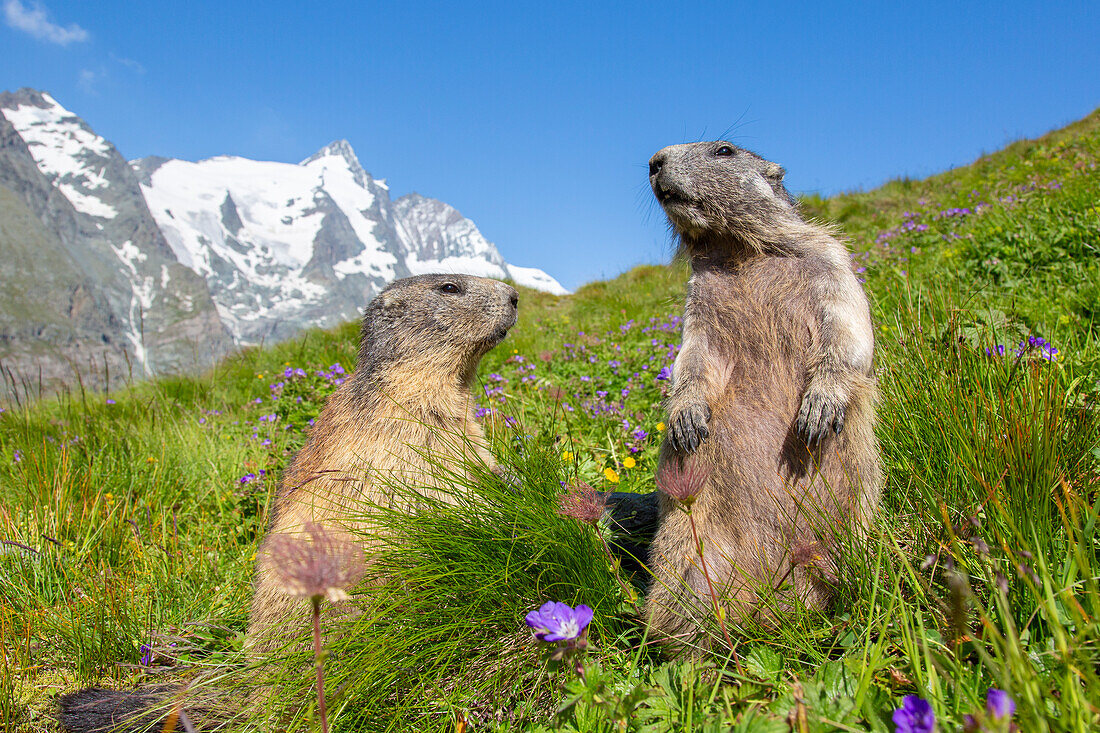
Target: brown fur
[408,404]
[773,391]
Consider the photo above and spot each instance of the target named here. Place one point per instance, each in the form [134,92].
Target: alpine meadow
[130,520]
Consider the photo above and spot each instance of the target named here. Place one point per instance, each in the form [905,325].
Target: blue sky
[536,119]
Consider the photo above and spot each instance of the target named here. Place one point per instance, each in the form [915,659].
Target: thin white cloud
[33,20]
[88,80]
[134,66]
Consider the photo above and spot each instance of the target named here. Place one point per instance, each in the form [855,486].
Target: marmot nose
[514,300]
[656,163]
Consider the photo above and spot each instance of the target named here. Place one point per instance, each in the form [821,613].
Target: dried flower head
[583,503]
[682,480]
[316,564]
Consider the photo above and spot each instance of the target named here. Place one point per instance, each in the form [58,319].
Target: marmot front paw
[821,413]
[688,428]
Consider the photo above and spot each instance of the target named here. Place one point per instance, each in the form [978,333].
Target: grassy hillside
[130,521]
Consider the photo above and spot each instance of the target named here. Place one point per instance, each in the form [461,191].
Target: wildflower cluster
[609,384]
[916,715]
[1036,345]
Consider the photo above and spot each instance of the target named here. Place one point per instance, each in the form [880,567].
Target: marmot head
[717,188]
[442,324]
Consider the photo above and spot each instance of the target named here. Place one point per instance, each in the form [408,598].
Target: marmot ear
[774,171]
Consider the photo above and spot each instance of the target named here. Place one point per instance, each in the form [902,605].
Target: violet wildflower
[914,716]
[555,621]
[247,478]
[146,655]
[998,704]
[664,374]
[17,456]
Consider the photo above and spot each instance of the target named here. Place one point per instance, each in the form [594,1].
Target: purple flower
[483,411]
[555,621]
[998,704]
[248,478]
[914,716]
[146,655]
[110,401]
[640,434]
[202,421]
[265,442]
[664,374]
[17,456]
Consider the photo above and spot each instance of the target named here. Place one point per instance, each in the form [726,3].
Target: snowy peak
[435,231]
[342,150]
[285,247]
[68,153]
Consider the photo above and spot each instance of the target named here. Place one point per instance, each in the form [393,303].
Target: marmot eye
[724,152]
[449,288]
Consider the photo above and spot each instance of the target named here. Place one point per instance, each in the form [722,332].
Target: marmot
[773,394]
[408,403]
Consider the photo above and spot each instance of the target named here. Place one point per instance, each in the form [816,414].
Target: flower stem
[713,596]
[319,662]
[631,596]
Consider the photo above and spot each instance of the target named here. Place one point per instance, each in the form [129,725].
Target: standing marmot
[408,405]
[773,392]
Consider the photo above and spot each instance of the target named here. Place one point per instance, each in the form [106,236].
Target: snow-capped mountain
[161,265]
[285,246]
[87,273]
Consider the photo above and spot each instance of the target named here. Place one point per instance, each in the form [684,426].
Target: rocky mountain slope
[90,283]
[161,265]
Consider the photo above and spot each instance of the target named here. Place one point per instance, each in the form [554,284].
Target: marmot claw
[688,428]
[819,415]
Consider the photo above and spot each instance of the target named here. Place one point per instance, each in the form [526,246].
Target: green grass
[133,525]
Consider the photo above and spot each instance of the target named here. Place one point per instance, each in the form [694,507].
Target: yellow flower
[567,456]
[109,497]
[515,351]
[150,459]
[629,462]
[610,475]
[259,376]
[286,363]
[660,427]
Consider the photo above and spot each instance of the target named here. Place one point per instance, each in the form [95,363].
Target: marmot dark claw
[819,416]
[689,429]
